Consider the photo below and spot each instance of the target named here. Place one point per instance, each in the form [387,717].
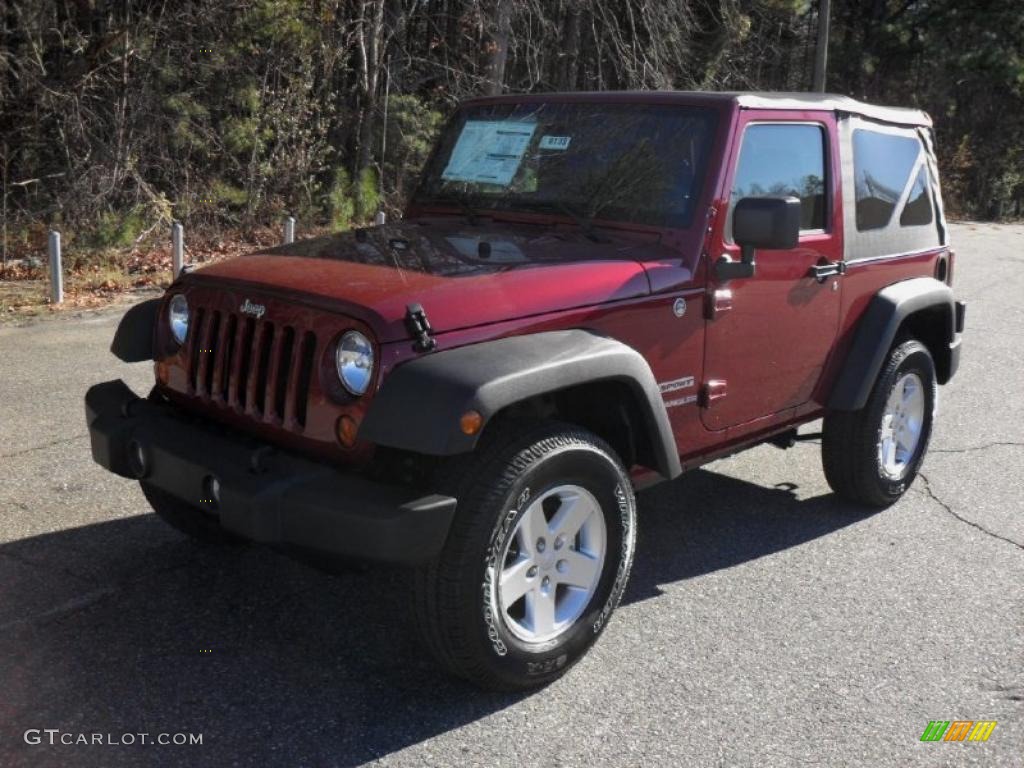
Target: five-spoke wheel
[872,455]
[902,422]
[536,561]
[552,563]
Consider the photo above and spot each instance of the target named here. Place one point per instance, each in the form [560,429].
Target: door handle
[824,269]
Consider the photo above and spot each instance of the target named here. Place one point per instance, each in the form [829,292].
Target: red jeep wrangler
[588,292]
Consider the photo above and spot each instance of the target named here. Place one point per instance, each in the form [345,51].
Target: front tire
[537,559]
[871,456]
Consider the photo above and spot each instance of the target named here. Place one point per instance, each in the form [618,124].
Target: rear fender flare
[876,332]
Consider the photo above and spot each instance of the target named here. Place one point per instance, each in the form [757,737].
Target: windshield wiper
[583,222]
[467,202]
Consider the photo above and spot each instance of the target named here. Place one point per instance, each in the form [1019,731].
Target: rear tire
[537,559]
[872,456]
[192,521]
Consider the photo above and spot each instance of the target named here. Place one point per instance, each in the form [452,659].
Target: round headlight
[177,316]
[355,362]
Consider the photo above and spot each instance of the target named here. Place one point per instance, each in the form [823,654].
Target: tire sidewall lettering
[552,656]
[490,597]
[626,518]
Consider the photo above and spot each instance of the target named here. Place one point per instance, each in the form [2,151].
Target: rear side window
[882,164]
[784,159]
[918,208]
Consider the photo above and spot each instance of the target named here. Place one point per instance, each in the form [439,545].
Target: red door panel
[766,346]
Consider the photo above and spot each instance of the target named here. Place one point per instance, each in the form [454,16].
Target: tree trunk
[566,80]
[496,46]
[371,32]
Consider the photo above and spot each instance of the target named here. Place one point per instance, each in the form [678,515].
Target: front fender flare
[419,404]
[134,337]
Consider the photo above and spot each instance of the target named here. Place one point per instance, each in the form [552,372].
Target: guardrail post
[56,270]
[289,230]
[177,248]
[380,218]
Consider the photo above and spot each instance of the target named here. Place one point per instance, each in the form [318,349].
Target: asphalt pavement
[766,624]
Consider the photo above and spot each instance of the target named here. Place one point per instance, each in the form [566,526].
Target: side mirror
[760,222]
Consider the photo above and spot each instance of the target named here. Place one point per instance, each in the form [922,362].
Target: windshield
[641,163]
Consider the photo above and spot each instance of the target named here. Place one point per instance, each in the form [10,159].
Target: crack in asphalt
[968,449]
[92,597]
[46,567]
[999,331]
[930,492]
[71,606]
[61,441]
[983,447]
[949,509]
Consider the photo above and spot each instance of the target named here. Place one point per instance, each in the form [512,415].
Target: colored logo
[958,730]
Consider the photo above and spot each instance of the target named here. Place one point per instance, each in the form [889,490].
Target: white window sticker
[489,151]
[554,142]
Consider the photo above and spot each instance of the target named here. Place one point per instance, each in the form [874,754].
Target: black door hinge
[419,328]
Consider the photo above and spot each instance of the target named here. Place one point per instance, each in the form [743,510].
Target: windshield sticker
[554,142]
[489,151]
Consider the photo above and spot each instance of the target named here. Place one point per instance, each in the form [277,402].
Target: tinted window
[882,163]
[620,162]
[779,160]
[918,208]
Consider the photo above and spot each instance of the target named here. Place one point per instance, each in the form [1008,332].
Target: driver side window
[781,159]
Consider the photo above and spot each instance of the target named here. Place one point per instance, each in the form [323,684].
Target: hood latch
[419,328]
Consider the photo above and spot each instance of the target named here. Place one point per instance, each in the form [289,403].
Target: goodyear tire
[192,521]
[536,561]
[871,456]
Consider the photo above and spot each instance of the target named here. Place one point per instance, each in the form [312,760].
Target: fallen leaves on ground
[94,279]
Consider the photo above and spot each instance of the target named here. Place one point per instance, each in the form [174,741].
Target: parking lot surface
[766,623]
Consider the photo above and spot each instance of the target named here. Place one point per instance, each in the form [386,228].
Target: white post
[56,271]
[177,248]
[289,230]
[380,218]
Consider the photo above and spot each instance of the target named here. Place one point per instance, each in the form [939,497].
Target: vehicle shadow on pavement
[704,522]
[126,627]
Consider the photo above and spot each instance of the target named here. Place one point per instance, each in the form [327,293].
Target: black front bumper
[265,495]
[959,315]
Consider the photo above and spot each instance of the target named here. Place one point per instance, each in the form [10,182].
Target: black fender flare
[876,332]
[419,404]
[134,337]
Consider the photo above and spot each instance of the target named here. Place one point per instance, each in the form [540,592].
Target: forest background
[118,117]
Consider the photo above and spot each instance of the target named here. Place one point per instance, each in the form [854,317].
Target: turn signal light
[347,429]
[471,422]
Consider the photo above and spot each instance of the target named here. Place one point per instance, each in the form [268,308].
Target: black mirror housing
[766,222]
[760,222]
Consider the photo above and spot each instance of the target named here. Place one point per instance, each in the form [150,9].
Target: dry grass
[97,286]
[95,279]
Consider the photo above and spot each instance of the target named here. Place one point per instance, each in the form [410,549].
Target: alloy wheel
[552,563]
[902,425]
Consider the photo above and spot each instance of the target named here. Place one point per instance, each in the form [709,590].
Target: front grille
[252,366]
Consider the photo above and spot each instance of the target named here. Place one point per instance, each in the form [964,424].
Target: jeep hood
[438,263]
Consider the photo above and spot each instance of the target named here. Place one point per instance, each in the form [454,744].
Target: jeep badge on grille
[256,310]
